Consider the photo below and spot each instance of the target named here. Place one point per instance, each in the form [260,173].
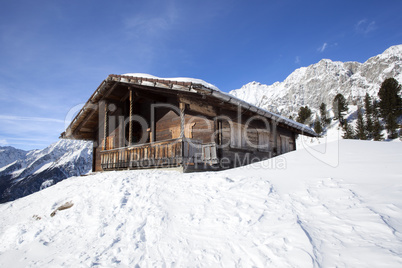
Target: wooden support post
[152,127]
[275,134]
[130,127]
[218,128]
[121,131]
[182,107]
[106,127]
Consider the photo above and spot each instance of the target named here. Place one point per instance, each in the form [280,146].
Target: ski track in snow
[213,219]
[344,228]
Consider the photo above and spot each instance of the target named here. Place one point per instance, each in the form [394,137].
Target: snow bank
[290,211]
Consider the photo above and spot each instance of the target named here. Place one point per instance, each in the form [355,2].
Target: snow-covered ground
[295,210]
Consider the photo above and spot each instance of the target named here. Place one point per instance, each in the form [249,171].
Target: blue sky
[55,53]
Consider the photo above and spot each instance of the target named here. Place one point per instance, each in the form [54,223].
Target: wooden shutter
[263,141]
[235,136]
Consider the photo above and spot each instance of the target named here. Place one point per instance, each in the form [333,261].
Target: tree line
[372,115]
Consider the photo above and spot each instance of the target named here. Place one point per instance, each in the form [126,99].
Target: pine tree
[377,129]
[324,115]
[377,126]
[303,115]
[348,131]
[318,126]
[375,110]
[339,106]
[369,116]
[390,105]
[368,106]
[360,126]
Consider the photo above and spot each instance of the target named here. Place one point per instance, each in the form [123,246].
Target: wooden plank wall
[203,129]
[168,126]
[199,127]
[241,150]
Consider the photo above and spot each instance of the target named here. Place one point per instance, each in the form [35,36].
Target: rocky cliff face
[38,169]
[320,82]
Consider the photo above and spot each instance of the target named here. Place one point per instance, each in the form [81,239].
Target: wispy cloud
[365,26]
[149,25]
[28,132]
[297,60]
[323,47]
[28,118]
[148,32]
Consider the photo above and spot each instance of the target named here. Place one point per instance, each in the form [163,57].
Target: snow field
[308,214]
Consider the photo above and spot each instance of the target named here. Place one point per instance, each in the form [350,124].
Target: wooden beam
[130,130]
[150,96]
[125,96]
[275,134]
[105,126]
[85,136]
[182,107]
[83,122]
[110,90]
[199,106]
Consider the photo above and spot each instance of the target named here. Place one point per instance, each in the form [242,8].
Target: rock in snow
[320,82]
[38,169]
[290,211]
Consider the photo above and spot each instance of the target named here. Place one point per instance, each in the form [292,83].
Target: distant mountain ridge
[34,170]
[320,82]
[10,154]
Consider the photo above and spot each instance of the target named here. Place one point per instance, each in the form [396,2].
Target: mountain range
[320,82]
[26,172]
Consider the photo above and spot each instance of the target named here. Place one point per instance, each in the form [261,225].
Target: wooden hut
[139,121]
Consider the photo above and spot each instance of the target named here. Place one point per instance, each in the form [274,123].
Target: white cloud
[297,60]
[323,47]
[3,142]
[365,26]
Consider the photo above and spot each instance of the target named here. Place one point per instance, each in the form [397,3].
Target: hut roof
[174,86]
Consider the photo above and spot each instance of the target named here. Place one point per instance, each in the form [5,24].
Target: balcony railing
[169,153]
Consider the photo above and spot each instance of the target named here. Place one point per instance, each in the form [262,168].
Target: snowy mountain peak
[393,51]
[38,169]
[10,154]
[320,82]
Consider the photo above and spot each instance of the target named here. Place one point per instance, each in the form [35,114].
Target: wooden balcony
[169,153]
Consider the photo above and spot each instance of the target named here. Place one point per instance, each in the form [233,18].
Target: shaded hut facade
[139,121]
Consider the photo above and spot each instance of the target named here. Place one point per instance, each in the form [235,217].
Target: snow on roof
[177,79]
